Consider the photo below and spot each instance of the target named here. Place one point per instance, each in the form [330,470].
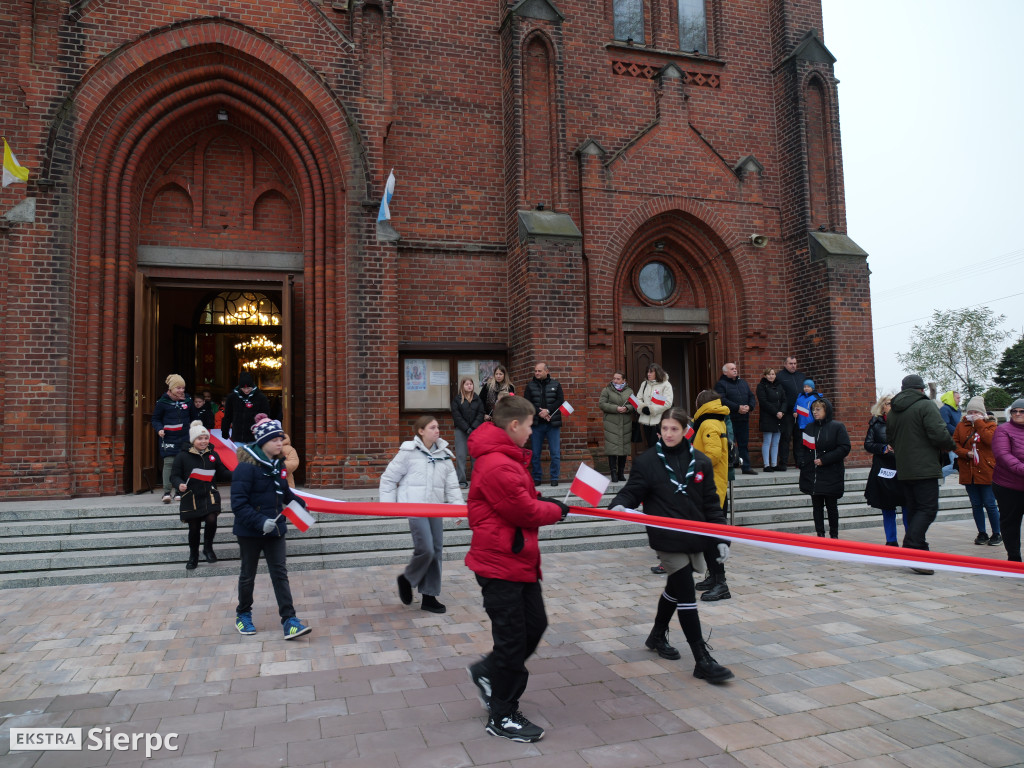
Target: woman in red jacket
[976,462]
[504,515]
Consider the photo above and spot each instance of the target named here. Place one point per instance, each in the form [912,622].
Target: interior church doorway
[686,358]
[209,332]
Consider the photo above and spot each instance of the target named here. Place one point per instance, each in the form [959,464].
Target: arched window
[629,20]
[240,308]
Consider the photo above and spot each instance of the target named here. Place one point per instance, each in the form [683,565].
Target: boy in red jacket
[504,515]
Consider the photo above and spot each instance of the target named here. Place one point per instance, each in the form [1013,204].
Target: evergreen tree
[1010,371]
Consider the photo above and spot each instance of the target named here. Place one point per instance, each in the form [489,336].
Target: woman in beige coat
[655,396]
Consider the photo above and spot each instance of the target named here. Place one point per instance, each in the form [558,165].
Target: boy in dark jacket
[259,491]
[504,515]
[824,444]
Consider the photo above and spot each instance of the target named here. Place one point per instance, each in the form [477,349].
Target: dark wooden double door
[688,359]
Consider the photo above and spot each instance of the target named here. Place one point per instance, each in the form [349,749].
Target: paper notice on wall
[439,378]
[467,368]
[415,375]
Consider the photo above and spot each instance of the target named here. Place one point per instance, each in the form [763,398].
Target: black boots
[706,667]
[430,603]
[719,589]
[706,583]
[613,465]
[193,561]
[658,641]
[209,554]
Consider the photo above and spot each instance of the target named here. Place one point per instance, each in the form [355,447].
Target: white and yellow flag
[12,171]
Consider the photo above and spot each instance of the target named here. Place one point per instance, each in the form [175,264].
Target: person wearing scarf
[172,414]
[195,475]
[240,409]
[259,492]
[673,479]
[618,424]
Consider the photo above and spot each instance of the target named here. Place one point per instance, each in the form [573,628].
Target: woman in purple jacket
[1008,477]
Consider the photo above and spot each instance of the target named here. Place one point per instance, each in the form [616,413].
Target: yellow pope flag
[12,171]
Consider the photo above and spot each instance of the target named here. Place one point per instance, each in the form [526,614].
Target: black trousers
[741,431]
[785,436]
[651,433]
[518,621]
[921,507]
[819,503]
[273,549]
[1011,511]
[193,533]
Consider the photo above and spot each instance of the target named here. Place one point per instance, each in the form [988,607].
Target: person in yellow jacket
[711,438]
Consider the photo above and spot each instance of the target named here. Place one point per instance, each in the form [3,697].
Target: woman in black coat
[883,489]
[824,445]
[672,479]
[468,413]
[771,401]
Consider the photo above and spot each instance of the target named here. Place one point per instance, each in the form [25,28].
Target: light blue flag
[389,190]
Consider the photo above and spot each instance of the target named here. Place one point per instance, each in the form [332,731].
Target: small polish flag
[566,408]
[206,475]
[657,399]
[298,516]
[633,401]
[173,427]
[589,485]
[802,410]
[809,441]
[690,432]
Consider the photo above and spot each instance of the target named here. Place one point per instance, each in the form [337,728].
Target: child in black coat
[194,475]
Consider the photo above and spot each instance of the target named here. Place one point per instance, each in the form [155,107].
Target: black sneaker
[514,727]
[478,674]
[981,538]
[997,539]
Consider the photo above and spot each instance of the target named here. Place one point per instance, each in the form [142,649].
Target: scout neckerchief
[680,488]
[271,466]
[246,399]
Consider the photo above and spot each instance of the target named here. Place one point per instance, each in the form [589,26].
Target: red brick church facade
[572,187]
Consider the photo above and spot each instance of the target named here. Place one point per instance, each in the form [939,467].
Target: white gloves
[723,554]
[269,526]
[619,508]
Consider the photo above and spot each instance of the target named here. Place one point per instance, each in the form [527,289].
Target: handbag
[883,489]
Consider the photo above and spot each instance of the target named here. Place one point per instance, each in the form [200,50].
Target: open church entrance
[209,332]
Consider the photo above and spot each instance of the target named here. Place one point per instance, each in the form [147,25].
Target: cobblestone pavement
[836,665]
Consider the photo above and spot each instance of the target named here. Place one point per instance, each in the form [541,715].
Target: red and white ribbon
[795,543]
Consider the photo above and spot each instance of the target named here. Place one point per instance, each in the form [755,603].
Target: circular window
[656,281]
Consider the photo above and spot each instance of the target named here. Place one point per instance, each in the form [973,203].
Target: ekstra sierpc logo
[96,739]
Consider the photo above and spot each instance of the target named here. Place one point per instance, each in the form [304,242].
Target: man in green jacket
[919,440]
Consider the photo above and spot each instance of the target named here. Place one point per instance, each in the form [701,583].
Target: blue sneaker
[294,628]
[243,623]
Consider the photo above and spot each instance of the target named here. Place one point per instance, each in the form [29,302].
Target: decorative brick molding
[650,71]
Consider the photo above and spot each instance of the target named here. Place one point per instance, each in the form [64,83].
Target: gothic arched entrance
[200,167]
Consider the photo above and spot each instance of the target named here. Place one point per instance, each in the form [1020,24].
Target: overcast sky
[931,106]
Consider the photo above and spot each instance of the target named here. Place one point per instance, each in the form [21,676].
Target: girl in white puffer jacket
[423,472]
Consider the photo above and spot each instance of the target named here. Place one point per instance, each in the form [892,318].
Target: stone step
[95,540]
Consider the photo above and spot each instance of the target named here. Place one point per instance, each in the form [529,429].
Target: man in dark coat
[792,380]
[546,395]
[240,409]
[740,401]
[919,439]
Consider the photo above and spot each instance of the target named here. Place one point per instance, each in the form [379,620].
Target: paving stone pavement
[836,665]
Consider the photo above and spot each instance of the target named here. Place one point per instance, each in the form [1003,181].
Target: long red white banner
[795,543]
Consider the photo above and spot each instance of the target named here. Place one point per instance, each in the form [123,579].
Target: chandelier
[267,354]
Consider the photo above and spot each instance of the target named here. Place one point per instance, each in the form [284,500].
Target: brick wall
[114,107]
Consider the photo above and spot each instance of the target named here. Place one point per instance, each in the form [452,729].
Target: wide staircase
[136,537]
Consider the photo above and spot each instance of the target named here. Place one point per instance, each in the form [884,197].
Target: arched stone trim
[548,131]
[711,267]
[126,107]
